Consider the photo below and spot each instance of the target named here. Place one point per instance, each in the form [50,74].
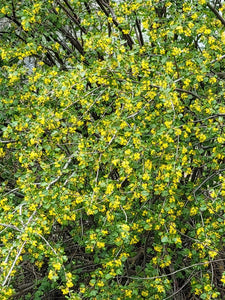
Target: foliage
[112,149]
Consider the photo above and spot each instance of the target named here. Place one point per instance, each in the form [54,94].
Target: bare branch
[10,226]
[57,178]
[177,271]
[13,264]
[126,37]
[187,92]
[212,8]
[207,179]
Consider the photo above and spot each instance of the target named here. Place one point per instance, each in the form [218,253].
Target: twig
[208,178]
[13,264]
[10,226]
[111,141]
[180,289]
[83,97]
[187,92]
[47,243]
[177,271]
[57,178]
[210,117]
[215,60]
[124,212]
[16,189]
[68,178]
[73,18]
[216,13]
[7,142]
[96,179]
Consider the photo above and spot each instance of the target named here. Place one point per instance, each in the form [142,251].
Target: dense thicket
[112,149]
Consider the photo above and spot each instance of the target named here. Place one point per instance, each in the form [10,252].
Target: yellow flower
[145,176]
[109,189]
[176,51]
[207,288]
[100,244]
[158,248]
[128,293]
[65,291]
[69,284]
[223,278]
[51,274]
[193,211]
[136,156]
[160,288]
[199,78]
[100,284]
[213,253]
[57,266]
[144,293]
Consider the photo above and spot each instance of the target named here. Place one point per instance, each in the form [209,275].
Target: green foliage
[112,149]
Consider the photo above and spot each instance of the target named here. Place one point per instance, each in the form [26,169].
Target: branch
[73,41]
[57,178]
[177,271]
[7,142]
[208,178]
[180,289]
[210,117]
[73,18]
[126,37]
[67,180]
[83,97]
[124,213]
[187,92]
[47,243]
[212,8]
[13,10]
[218,59]
[13,264]
[10,226]
[15,192]
[139,32]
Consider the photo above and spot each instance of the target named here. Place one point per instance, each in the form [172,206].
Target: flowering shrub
[112,149]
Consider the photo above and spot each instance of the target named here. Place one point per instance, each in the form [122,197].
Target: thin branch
[207,179]
[100,156]
[187,92]
[212,8]
[72,40]
[177,271]
[16,189]
[13,10]
[180,289]
[57,178]
[218,59]
[88,109]
[210,117]
[67,180]
[8,255]
[111,140]
[126,36]
[83,97]
[124,212]
[10,226]
[141,40]
[7,142]
[13,264]
[47,243]
[73,18]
